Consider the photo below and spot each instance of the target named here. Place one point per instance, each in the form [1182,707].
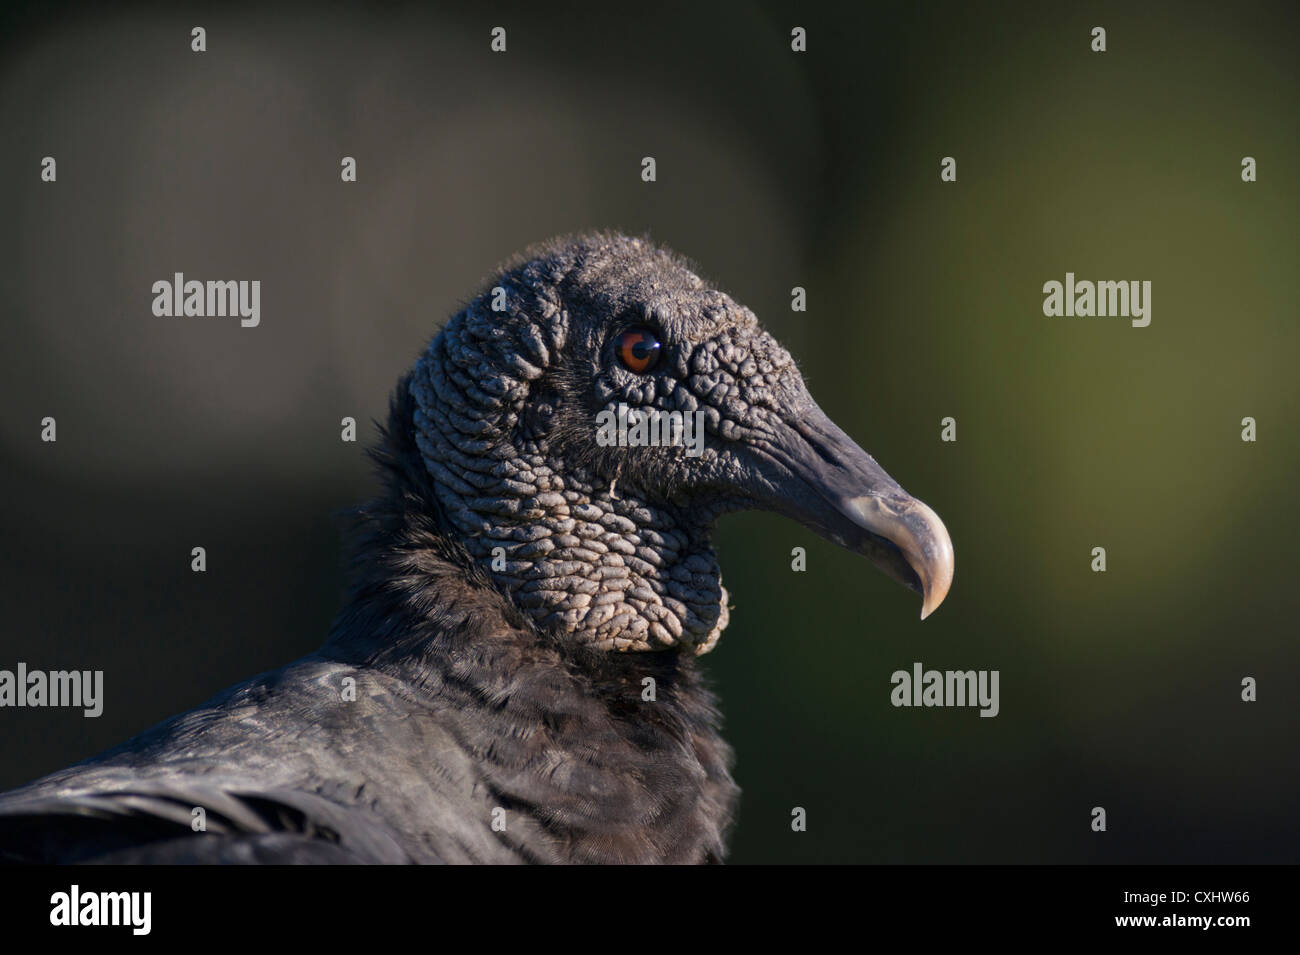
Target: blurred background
[775,169]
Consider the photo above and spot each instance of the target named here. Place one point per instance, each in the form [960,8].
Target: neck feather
[423,609]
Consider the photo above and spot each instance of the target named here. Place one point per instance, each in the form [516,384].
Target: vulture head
[605,542]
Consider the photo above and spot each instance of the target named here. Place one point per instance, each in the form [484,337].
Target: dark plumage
[516,583]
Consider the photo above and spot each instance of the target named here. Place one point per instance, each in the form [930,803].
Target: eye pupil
[638,349]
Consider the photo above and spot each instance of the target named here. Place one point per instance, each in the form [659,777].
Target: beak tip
[937,572]
[931,603]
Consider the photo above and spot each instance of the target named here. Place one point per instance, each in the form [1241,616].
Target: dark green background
[775,169]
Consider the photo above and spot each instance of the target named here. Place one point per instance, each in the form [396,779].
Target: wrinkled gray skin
[486,696]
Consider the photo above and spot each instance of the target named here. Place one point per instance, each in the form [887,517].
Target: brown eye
[638,349]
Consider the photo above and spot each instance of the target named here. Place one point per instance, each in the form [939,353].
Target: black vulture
[512,677]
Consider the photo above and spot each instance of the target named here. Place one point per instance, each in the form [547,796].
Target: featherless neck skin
[601,562]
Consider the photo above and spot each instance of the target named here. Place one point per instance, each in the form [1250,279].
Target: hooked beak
[829,484]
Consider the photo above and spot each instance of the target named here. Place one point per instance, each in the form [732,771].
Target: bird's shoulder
[312,762]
